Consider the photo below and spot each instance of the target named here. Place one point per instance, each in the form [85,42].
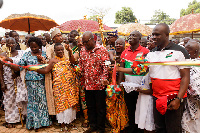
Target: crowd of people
[84,76]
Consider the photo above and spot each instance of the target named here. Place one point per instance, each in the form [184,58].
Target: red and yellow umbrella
[83,25]
[186,24]
[28,22]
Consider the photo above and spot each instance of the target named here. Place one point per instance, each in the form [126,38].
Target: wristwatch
[181,99]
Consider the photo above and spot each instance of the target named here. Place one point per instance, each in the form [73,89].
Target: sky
[65,10]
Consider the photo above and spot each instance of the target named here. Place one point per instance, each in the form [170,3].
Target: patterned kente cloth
[65,89]
[116,110]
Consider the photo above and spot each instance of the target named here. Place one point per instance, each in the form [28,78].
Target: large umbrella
[126,29]
[28,22]
[83,25]
[186,24]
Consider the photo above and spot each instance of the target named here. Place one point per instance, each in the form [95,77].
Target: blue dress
[37,111]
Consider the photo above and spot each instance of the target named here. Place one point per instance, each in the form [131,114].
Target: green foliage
[94,18]
[195,6]
[124,16]
[161,17]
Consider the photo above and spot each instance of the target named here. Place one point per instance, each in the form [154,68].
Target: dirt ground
[55,128]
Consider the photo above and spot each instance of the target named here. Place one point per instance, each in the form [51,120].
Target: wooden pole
[29,26]
[192,34]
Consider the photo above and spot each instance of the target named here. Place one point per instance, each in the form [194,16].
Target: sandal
[8,125]
[38,130]
[4,124]
[65,130]
[85,124]
[73,127]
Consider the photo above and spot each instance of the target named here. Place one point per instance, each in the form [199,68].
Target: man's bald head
[164,27]
[120,40]
[88,40]
[185,40]
[143,42]
[160,35]
[3,41]
[88,34]
[175,41]
[138,33]
[193,43]
[192,47]
[119,45]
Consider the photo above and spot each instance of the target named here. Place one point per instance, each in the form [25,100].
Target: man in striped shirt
[168,80]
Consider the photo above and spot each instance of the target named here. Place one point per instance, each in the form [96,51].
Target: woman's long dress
[191,115]
[13,100]
[37,111]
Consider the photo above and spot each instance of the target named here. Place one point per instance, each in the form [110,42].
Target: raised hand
[41,59]
[67,47]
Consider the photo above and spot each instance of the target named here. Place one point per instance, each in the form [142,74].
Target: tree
[124,16]
[161,17]
[192,7]
[101,12]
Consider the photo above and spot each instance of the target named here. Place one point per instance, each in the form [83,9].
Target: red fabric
[161,104]
[85,25]
[95,37]
[114,79]
[164,87]
[114,75]
[93,68]
[19,65]
[128,54]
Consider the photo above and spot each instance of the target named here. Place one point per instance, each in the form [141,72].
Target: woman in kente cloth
[9,79]
[37,111]
[116,111]
[65,90]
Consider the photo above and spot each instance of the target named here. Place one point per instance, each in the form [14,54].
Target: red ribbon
[19,65]
[114,79]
